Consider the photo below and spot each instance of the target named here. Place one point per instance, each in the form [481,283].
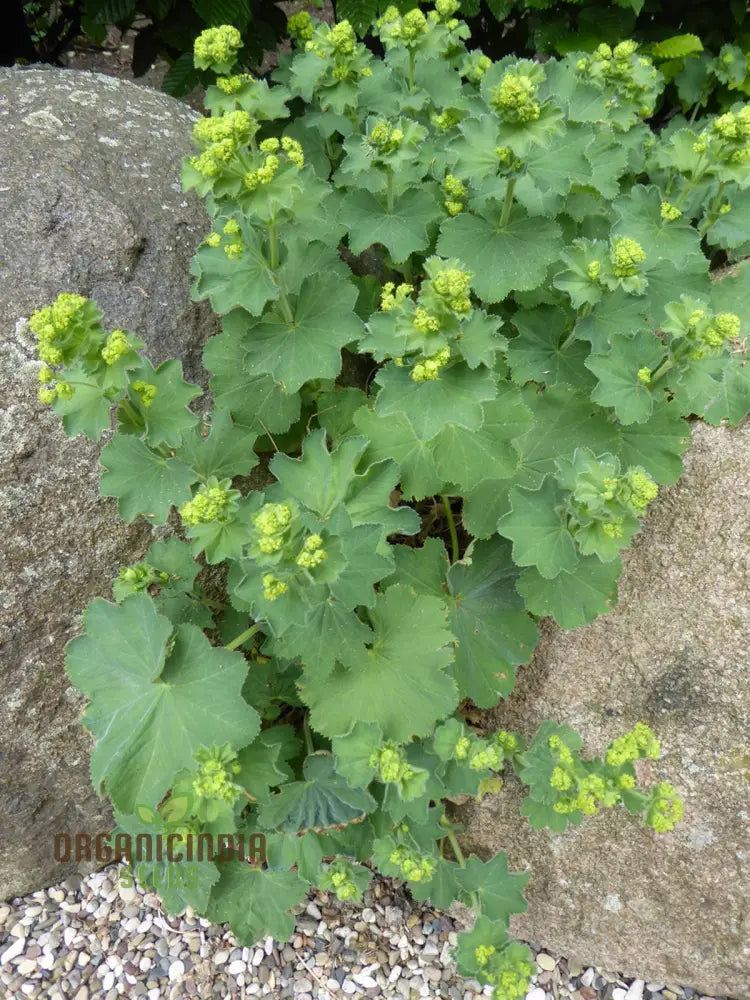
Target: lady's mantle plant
[522,266]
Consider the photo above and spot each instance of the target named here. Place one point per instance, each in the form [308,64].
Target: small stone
[220,957]
[635,990]
[13,950]
[26,967]
[176,971]
[536,994]
[348,986]
[82,994]
[545,961]
[236,967]
[366,981]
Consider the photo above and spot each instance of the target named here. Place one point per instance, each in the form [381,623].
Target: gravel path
[90,940]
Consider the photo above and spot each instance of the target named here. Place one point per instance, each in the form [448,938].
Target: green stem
[712,216]
[568,340]
[134,415]
[475,902]
[242,637]
[308,735]
[389,190]
[508,201]
[411,70]
[451,527]
[273,239]
[662,369]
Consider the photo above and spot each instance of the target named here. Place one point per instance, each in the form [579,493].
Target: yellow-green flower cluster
[429,369]
[217,48]
[116,347]
[462,747]
[515,99]
[424,321]
[626,256]
[385,138]
[216,768]
[406,30]
[475,66]
[272,523]
[212,161]
[669,212]
[445,9]
[263,175]
[235,125]
[454,191]
[145,391]
[58,328]
[510,972]
[483,953]
[486,757]
[313,553]
[507,159]
[453,287]
[639,742]
[233,84]
[509,743]
[633,77]
[339,40]
[729,137]
[446,119]
[59,389]
[300,26]
[273,587]
[666,808]
[390,764]
[644,375]
[392,296]
[339,876]
[213,501]
[641,487]
[414,867]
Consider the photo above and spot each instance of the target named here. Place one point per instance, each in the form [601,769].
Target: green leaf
[319,479]
[353,752]
[395,437]
[399,682]
[255,400]
[443,888]
[143,482]
[537,525]
[494,633]
[402,230]
[181,76]
[88,411]
[677,47]
[359,13]
[306,343]
[639,217]
[732,401]
[733,229]
[285,850]
[331,632]
[486,614]
[180,883]
[324,799]
[224,452]
[256,903]
[262,767]
[503,258]
[455,397]
[247,282]
[536,353]
[617,372]
[167,417]
[500,891]
[151,710]
[572,599]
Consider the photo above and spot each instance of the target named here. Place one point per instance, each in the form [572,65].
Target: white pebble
[618,993]
[536,994]
[176,971]
[348,986]
[109,980]
[635,991]
[236,968]
[26,967]
[128,893]
[258,956]
[366,981]
[47,960]
[268,945]
[545,961]
[13,950]
[588,977]
[220,957]
[395,973]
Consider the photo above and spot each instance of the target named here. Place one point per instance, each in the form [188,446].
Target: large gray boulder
[90,202]
[674,653]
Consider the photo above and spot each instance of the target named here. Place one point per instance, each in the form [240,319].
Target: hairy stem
[411,70]
[308,734]
[451,527]
[242,637]
[389,190]
[508,204]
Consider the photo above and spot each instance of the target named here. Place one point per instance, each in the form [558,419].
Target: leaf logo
[175,810]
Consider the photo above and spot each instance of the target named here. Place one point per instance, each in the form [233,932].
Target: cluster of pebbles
[91,939]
